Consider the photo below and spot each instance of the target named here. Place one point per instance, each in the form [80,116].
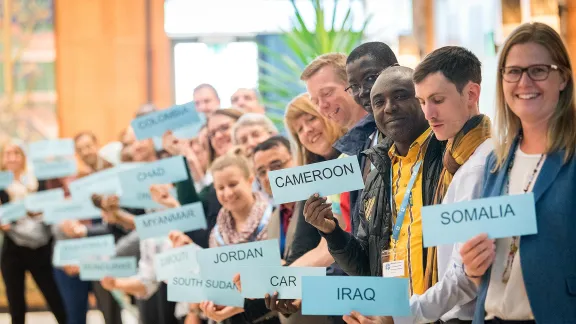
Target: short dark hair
[274,141]
[86,133]
[458,65]
[207,86]
[378,50]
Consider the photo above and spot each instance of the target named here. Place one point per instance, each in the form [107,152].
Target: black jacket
[361,255]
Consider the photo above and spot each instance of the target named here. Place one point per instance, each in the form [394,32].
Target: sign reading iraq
[503,216]
[159,122]
[325,178]
[189,217]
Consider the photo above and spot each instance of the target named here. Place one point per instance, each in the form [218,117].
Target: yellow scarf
[458,151]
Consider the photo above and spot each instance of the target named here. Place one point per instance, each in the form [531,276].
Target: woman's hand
[73,229]
[5,227]
[357,318]
[171,144]
[179,239]
[111,203]
[477,256]
[219,313]
[161,194]
[108,283]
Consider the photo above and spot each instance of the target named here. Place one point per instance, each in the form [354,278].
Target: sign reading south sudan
[216,286]
[325,178]
[159,122]
[499,217]
[186,218]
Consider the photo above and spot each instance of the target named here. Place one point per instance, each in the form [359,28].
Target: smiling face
[446,109]
[313,135]
[251,135]
[220,133]
[206,100]
[532,101]
[87,150]
[247,101]
[396,111]
[328,94]
[12,159]
[233,188]
[276,158]
[362,74]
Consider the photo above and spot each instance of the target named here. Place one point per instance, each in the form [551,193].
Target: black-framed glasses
[220,129]
[273,166]
[367,82]
[537,72]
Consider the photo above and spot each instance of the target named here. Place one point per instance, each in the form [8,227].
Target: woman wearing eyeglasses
[531,278]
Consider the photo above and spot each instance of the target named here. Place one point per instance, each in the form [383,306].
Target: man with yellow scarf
[447,84]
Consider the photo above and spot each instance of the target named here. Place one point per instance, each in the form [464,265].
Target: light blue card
[287,281]
[75,250]
[176,261]
[105,182]
[50,148]
[215,286]
[326,178]
[142,199]
[157,123]
[120,267]
[503,216]
[57,168]
[170,170]
[12,212]
[262,253]
[186,218]
[6,179]
[80,209]
[370,296]
[38,201]
[188,132]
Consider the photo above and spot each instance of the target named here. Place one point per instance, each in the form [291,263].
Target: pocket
[571,284]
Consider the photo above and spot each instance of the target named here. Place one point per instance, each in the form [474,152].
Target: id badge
[394,263]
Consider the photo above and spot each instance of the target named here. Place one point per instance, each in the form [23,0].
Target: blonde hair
[19,149]
[234,157]
[303,105]
[562,124]
[336,60]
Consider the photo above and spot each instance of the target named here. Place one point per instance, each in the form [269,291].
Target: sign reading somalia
[370,296]
[325,178]
[165,171]
[157,123]
[186,218]
[502,216]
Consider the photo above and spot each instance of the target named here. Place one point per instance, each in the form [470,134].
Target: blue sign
[165,171]
[287,281]
[159,122]
[42,149]
[261,253]
[12,212]
[38,201]
[186,218]
[176,261]
[105,182]
[340,295]
[215,286]
[71,209]
[56,168]
[142,199]
[503,216]
[75,250]
[6,179]
[325,178]
[120,267]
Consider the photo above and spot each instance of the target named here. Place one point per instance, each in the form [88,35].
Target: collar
[353,142]
[414,150]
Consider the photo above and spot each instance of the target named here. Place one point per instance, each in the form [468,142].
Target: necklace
[516,239]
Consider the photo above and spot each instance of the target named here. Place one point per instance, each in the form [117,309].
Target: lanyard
[282,233]
[405,200]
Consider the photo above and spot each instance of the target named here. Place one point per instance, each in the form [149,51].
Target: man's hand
[171,144]
[283,306]
[179,239]
[71,270]
[477,256]
[319,214]
[219,313]
[357,318]
[5,227]
[111,203]
[109,217]
[108,283]
[73,229]
[161,194]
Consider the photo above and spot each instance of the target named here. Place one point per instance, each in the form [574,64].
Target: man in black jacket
[409,143]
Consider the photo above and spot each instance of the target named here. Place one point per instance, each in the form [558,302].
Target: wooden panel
[101,64]
[571,28]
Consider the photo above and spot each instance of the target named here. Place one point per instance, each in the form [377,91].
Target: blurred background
[73,65]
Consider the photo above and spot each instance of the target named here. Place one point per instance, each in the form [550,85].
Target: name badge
[499,217]
[394,263]
[326,178]
[261,253]
[165,171]
[120,267]
[6,179]
[216,286]
[71,252]
[12,212]
[157,123]
[370,296]
[287,281]
[176,261]
[186,218]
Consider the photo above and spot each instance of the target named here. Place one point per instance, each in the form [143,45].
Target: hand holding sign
[357,318]
[477,255]
[219,313]
[179,239]
[318,213]
[171,144]
[283,306]
[160,193]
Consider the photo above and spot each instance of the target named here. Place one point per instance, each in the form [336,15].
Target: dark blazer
[548,259]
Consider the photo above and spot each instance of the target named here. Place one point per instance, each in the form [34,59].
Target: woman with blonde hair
[531,278]
[27,243]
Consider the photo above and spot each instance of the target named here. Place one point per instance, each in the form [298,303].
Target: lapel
[502,173]
[548,174]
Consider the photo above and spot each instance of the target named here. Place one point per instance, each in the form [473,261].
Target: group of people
[420,140]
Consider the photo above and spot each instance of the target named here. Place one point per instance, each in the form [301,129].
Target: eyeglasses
[273,166]
[367,83]
[538,72]
[220,129]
